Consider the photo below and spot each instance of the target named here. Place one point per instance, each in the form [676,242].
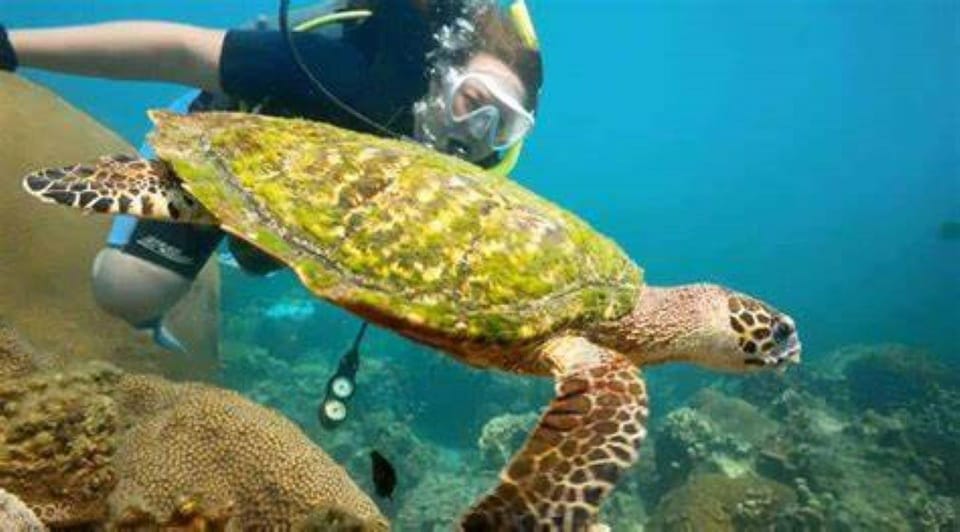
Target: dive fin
[162,336]
[165,339]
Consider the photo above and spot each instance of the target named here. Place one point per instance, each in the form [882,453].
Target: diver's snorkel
[340,387]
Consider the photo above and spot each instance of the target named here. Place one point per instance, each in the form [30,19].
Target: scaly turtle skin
[458,259]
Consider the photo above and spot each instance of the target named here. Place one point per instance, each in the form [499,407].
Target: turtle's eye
[781,331]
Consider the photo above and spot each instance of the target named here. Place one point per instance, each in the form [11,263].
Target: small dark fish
[384,476]
[950,230]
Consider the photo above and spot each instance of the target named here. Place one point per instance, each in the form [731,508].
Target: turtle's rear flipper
[119,184]
[586,438]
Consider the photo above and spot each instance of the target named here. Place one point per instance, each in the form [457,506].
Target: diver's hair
[499,37]
[490,32]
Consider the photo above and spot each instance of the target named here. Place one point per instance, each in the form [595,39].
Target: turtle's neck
[662,327]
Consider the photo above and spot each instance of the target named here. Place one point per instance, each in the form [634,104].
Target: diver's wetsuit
[378,67]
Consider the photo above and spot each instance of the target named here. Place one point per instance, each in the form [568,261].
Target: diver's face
[484,109]
[476,95]
[474,110]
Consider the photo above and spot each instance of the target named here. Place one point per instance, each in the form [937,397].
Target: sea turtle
[456,258]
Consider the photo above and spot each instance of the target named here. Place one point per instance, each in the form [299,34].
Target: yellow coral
[57,434]
[214,453]
[16,358]
[95,446]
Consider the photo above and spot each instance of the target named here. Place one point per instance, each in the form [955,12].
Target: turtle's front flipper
[119,184]
[587,437]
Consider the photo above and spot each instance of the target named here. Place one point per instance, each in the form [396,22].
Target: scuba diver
[462,76]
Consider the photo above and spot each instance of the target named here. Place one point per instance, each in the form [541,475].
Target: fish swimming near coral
[456,258]
[384,475]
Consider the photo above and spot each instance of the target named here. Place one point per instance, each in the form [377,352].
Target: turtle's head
[763,336]
[708,325]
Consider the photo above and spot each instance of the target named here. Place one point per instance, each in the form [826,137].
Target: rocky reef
[91,445]
[860,439]
[714,501]
[856,439]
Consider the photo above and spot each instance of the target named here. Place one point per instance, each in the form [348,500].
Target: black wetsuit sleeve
[8,58]
[256,66]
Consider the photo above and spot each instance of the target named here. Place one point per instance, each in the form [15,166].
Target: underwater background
[805,152]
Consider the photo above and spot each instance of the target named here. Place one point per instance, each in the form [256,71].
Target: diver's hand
[8,58]
[134,50]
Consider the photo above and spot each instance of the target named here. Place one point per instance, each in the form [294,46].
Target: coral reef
[904,376]
[171,465]
[15,516]
[57,434]
[815,448]
[937,513]
[716,502]
[922,395]
[689,441]
[933,428]
[863,440]
[17,358]
[411,457]
[398,410]
[92,445]
[437,501]
[502,436]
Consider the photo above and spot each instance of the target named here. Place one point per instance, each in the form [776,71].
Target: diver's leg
[147,267]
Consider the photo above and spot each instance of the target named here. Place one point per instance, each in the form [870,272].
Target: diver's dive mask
[479,113]
[473,133]
[483,84]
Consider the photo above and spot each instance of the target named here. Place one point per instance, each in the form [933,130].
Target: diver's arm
[154,51]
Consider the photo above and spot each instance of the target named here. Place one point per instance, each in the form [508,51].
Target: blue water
[805,152]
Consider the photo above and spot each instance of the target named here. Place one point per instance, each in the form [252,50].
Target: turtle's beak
[793,350]
[789,347]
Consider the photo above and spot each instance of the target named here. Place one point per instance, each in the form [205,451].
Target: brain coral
[211,452]
[92,445]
